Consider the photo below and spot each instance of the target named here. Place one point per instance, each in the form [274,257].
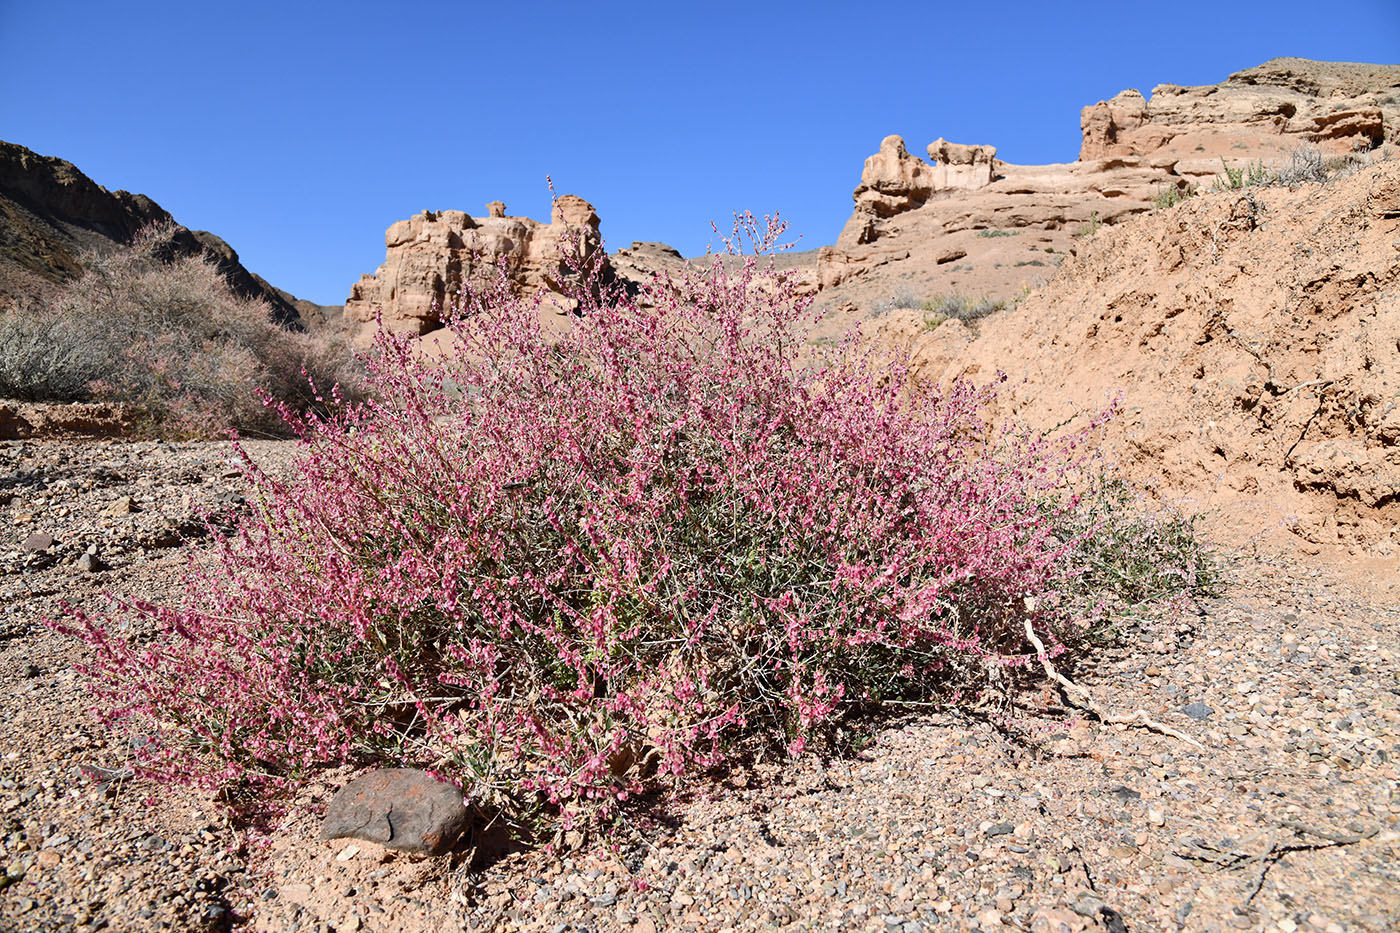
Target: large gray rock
[401,808]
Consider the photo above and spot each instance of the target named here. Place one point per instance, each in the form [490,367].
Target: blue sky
[299,131]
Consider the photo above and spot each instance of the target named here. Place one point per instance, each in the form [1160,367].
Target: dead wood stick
[1087,702]
[1341,839]
[1275,852]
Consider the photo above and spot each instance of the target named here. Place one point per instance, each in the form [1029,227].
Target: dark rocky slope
[51,214]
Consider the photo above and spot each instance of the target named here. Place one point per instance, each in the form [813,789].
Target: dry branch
[1086,700]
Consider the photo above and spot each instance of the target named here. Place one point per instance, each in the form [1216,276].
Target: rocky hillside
[51,213]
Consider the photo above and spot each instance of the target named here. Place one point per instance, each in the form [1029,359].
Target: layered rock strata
[1339,106]
[431,256]
[1133,149]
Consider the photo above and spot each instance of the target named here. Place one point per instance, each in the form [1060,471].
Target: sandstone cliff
[909,213]
[1340,106]
[429,257]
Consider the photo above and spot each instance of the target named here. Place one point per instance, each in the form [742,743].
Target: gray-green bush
[959,307]
[170,340]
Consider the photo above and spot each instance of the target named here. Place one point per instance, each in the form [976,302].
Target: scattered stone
[951,255]
[400,808]
[1198,710]
[1000,829]
[38,542]
[123,506]
[1056,920]
[89,562]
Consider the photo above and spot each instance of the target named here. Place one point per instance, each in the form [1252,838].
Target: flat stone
[1198,710]
[399,808]
[38,541]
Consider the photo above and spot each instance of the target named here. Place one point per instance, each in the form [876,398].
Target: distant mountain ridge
[51,213]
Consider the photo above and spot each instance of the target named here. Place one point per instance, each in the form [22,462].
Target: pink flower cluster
[568,561]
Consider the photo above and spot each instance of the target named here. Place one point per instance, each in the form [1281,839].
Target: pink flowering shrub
[563,563]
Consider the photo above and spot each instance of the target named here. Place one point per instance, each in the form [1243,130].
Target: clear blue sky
[299,131]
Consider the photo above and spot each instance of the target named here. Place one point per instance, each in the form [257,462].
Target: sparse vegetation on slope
[167,337]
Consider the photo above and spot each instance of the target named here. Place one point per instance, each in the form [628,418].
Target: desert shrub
[1172,195]
[1257,174]
[988,234]
[562,567]
[169,339]
[1092,227]
[903,297]
[1130,556]
[1254,174]
[1304,165]
[961,307]
[1344,166]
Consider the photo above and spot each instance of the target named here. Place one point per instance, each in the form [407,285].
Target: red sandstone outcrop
[908,213]
[430,257]
[1339,106]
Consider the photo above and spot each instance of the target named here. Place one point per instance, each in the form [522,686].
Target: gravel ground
[1020,819]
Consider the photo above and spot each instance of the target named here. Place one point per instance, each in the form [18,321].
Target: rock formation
[429,257]
[1103,123]
[894,181]
[907,212]
[1338,106]
[960,167]
[51,214]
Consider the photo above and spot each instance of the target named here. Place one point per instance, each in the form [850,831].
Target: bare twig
[1086,700]
[1332,836]
[1275,852]
[1084,864]
[1321,401]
